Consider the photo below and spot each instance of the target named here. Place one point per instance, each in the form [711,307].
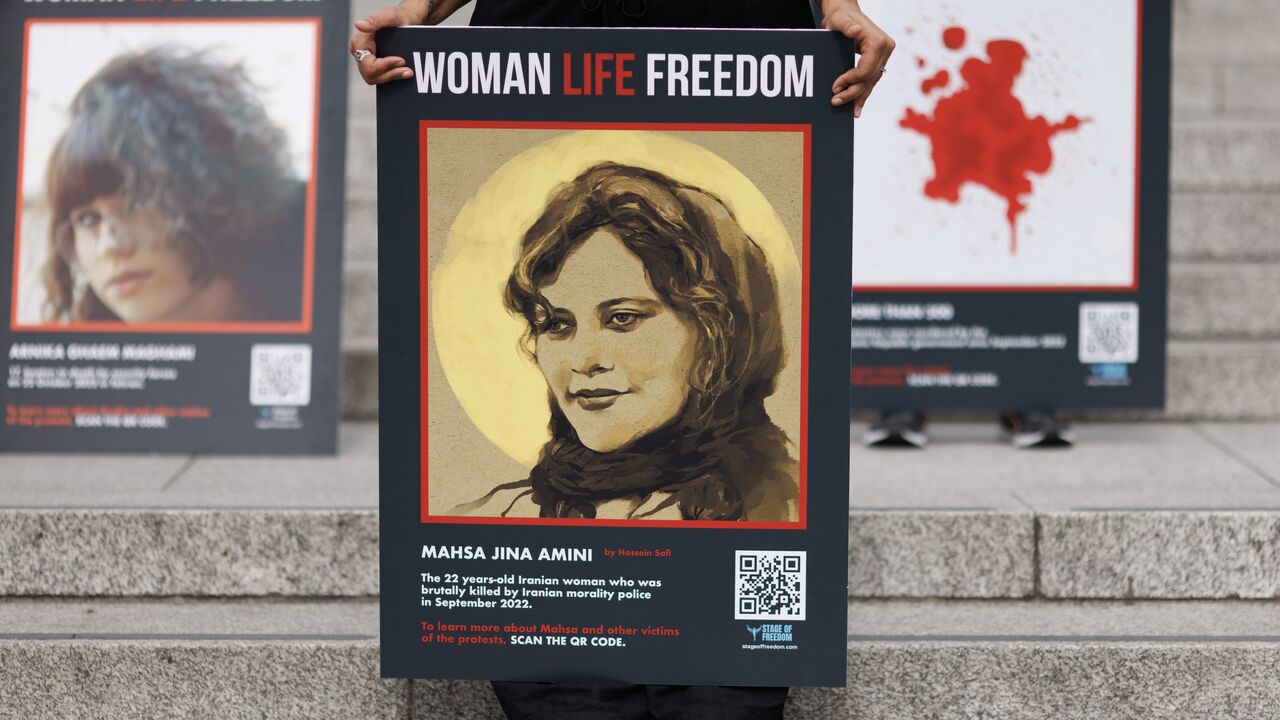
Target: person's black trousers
[610,701]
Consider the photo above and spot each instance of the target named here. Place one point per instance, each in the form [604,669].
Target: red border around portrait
[304,323]
[424,330]
[1132,285]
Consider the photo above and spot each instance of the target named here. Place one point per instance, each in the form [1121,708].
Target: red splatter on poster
[939,81]
[981,133]
[953,37]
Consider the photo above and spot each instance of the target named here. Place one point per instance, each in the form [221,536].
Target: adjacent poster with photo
[614,418]
[1010,236]
[172,174]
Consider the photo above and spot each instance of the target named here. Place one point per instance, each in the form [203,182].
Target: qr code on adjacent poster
[1108,332]
[280,375]
[769,585]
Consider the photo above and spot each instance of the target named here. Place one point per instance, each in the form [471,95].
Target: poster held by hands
[614,419]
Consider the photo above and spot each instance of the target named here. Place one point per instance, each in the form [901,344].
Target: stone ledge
[941,554]
[1224,226]
[1236,300]
[896,554]
[128,679]
[1222,155]
[360,303]
[1009,659]
[1220,380]
[889,680]
[1128,554]
[194,552]
[317,552]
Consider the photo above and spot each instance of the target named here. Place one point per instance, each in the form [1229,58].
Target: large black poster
[613,278]
[1010,224]
[173,176]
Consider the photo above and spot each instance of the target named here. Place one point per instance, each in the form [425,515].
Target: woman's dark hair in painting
[722,458]
[177,132]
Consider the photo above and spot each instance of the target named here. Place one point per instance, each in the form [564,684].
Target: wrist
[831,6]
[415,12]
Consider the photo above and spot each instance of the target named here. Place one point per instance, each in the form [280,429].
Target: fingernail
[407,73]
[857,112]
[837,101]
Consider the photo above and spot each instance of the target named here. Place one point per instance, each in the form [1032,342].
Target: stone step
[1227,226]
[1241,92]
[1163,511]
[908,553]
[905,659]
[1225,33]
[1223,380]
[360,303]
[1237,380]
[1225,156]
[1212,300]
[358,396]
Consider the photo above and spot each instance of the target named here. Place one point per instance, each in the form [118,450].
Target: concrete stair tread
[1202,266]
[1058,621]
[184,658]
[1227,123]
[1147,510]
[190,620]
[347,480]
[1210,348]
[198,621]
[1138,466]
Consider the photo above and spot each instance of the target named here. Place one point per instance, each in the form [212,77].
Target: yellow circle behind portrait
[478,341]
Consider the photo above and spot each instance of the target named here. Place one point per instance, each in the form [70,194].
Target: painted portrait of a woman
[654,320]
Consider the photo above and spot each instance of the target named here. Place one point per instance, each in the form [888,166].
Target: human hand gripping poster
[614,437]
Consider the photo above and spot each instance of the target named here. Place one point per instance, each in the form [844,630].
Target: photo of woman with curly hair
[171,198]
[654,320]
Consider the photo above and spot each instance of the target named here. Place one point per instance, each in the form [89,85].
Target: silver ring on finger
[360,55]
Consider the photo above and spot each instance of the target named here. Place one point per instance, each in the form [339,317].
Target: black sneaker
[1037,429]
[897,428]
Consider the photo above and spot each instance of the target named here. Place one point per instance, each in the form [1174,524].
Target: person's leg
[715,702]
[579,700]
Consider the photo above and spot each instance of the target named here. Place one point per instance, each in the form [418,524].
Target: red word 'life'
[596,68]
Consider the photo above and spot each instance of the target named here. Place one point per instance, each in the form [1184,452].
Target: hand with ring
[874,46]
[377,70]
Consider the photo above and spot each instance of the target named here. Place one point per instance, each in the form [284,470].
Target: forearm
[830,6]
[430,12]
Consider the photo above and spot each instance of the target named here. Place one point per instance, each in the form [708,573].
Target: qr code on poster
[280,375]
[1108,332]
[768,585]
